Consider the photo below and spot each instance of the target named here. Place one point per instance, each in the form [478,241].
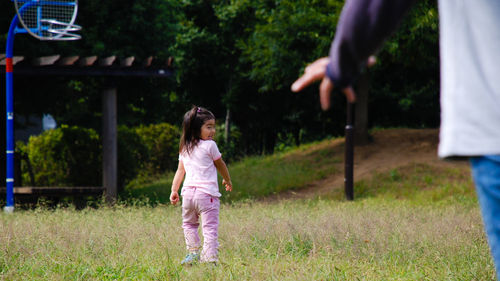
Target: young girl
[199,158]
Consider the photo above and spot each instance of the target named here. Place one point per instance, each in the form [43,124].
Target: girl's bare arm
[222,168]
[176,183]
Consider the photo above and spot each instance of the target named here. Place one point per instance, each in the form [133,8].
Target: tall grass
[369,239]
[417,222]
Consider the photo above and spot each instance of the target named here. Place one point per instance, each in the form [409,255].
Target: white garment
[200,168]
[470,77]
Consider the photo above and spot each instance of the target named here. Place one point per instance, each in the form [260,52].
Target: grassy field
[416,222]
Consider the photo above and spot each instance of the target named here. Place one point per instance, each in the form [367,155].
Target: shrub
[132,155]
[66,156]
[72,156]
[27,177]
[162,142]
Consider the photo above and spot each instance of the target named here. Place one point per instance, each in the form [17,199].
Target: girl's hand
[228,185]
[174,197]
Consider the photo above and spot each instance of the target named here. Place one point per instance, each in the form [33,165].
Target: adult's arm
[362,28]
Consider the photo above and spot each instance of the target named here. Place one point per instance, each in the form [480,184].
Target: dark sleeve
[362,28]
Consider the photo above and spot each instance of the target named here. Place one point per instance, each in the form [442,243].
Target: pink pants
[196,203]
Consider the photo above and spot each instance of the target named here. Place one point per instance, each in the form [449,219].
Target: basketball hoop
[61,30]
[48,20]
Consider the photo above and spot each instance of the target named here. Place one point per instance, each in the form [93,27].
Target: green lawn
[412,223]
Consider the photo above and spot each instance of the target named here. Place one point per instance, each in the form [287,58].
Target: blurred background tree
[238,58]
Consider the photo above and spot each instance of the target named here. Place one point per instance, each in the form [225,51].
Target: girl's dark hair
[191,127]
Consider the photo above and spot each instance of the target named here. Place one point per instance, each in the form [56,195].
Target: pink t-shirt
[200,168]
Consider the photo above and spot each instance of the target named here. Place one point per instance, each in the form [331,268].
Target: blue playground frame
[9,75]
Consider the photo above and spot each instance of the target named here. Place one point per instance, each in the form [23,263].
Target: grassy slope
[259,176]
[413,223]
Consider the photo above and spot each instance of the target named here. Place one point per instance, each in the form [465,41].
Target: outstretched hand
[317,71]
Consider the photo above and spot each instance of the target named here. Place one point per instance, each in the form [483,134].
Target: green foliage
[66,156]
[72,156]
[240,55]
[239,46]
[27,176]
[232,150]
[202,54]
[132,155]
[162,142]
[286,36]
[404,84]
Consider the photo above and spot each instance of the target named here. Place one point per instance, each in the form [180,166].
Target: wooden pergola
[111,66]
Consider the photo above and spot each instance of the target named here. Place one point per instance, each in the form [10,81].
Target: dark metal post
[349,153]
[109,145]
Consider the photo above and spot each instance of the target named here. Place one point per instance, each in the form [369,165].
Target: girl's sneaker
[191,259]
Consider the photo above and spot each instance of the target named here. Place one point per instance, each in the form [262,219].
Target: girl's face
[208,130]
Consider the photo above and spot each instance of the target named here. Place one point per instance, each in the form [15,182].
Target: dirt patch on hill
[390,149]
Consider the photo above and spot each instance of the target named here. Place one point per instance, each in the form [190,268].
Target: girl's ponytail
[191,127]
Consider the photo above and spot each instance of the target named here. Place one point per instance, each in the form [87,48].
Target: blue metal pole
[9,99]
[9,75]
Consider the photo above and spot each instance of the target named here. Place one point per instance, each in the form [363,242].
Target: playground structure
[45,20]
[112,68]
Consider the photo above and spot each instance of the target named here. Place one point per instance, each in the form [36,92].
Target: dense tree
[288,35]
[405,82]
[238,56]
